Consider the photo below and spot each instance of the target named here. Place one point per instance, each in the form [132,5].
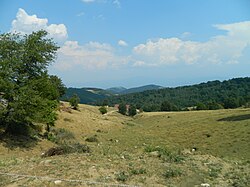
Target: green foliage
[103,110]
[92,139]
[139,171]
[172,172]
[165,154]
[231,102]
[201,106]
[122,108]
[61,136]
[57,82]
[132,110]
[122,176]
[28,90]
[167,106]
[188,96]
[74,101]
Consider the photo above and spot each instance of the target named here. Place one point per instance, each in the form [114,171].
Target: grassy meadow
[150,149]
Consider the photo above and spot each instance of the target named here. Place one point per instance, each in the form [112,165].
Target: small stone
[58,182]
[122,157]
[116,141]
[205,185]
[155,154]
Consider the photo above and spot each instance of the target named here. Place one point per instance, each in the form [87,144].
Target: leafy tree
[214,106]
[122,108]
[25,84]
[74,101]
[103,110]
[201,106]
[231,102]
[132,110]
[57,82]
[167,106]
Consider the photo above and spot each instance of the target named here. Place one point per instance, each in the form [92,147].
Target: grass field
[151,149]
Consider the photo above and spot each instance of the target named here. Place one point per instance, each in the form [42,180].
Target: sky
[129,43]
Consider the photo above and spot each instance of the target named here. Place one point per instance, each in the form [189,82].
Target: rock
[155,154]
[57,182]
[205,185]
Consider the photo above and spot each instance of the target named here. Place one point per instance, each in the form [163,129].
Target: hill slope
[141,89]
[152,149]
[232,92]
[86,95]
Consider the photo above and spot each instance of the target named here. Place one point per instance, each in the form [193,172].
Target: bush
[122,176]
[172,172]
[165,154]
[67,149]
[103,110]
[60,136]
[167,106]
[91,139]
[74,101]
[122,109]
[132,110]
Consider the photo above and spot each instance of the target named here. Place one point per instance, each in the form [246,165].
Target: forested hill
[211,95]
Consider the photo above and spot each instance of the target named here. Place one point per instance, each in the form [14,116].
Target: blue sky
[106,43]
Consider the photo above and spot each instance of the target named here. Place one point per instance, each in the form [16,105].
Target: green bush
[132,110]
[122,176]
[74,101]
[60,136]
[91,139]
[172,172]
[103,110]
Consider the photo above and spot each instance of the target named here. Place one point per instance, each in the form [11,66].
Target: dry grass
[152,149]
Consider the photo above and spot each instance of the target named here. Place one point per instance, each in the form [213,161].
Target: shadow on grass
[236,118]
[17,141]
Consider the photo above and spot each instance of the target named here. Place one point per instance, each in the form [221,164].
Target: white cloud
[89,56]
[80,14]
[88,1]
[117,3]
[122,43]
[220,49]
[185,35]
[26,24]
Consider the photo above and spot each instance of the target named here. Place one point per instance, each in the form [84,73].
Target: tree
[74,101]
[122,109]
[167,106]
[57,82]
[25,84]
[231,102]
[201,106]
[132,110]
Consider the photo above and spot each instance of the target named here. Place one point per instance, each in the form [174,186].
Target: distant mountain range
[122,90]
[92,95]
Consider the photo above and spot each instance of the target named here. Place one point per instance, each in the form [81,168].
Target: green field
[151,149]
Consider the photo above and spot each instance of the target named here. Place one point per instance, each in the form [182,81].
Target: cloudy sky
[106,43]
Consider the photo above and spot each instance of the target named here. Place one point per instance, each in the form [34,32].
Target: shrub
[91,139]
[132,110]
[74,101]
[103,110]
[122,176]
[165,154]
[138,171]
[60,136]
[67,149]
[122,109]
[172,172]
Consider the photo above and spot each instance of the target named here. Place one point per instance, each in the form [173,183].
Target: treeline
[211,95]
